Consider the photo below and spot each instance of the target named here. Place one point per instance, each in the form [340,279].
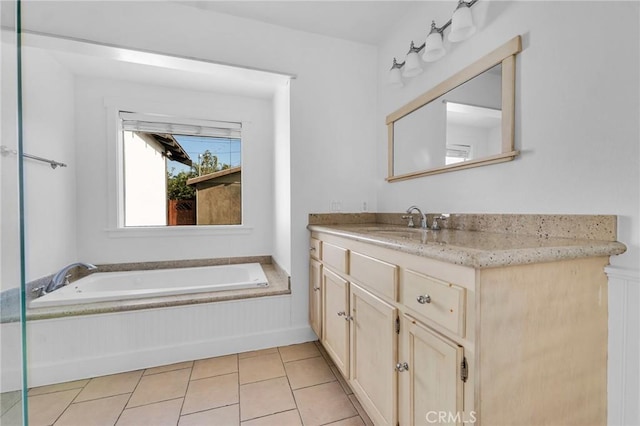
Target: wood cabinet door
[374,345]
[431,388]
[315,296]
[335,327]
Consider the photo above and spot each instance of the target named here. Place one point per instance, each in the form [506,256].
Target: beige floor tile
[360,410]
[13,416]
[250,354]
[288,418]
[171,367]
[353,421]
[212,392]
[159,414]
[98,412]
[214,366]
[223,416]
[343,383]
[58,387]
[160,387]
[261,367]
[45,409]
[264,398]
[9,399]
[296,352]
[115,384]
[323,404]
[308,372]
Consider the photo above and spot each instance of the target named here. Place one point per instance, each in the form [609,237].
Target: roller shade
[150,123]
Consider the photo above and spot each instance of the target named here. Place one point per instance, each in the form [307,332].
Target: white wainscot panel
[624,347]
[72,348]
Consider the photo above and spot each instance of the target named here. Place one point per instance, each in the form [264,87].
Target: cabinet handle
[316,289]
[402,366]
[342,313]
[348,318]
[312,249]
[424,299]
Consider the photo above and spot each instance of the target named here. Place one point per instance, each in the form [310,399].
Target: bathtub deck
[290,385]
[278,285]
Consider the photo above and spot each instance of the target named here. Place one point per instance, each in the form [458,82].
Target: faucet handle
[434,225]
[410,217]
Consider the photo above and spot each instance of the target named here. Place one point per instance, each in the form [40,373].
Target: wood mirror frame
[505,55]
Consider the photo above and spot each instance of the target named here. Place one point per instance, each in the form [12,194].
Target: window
[180,171]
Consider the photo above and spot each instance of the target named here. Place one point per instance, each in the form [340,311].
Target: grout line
[215,375]
[318,384]
[184,397]
[167,371]
[263,380]
[211,409]
[272,414]
[302,359]
[124,407]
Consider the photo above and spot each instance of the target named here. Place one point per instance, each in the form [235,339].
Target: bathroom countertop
[278,285]
[477,249]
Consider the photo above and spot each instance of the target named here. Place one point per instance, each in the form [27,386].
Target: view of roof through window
[225,150]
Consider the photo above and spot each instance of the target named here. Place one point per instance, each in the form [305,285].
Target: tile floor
[285,386]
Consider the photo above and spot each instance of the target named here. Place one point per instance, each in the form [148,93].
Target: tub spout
[61,278]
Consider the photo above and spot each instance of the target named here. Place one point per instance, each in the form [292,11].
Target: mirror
[465,121]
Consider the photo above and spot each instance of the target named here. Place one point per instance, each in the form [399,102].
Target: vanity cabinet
[315,296]
[423,341]
[315,286]
[335,324]
[434,377]
[373,354]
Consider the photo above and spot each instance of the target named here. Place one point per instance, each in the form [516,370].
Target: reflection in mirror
[464,122]
[461,125]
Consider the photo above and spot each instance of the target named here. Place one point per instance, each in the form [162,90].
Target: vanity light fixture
[395,75]
[412,65]
[434,48]
[462,27]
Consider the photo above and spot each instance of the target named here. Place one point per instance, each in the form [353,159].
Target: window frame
[115,170]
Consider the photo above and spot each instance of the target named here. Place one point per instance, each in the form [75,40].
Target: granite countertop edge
[561,249]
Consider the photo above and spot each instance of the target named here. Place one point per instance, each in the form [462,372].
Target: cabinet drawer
[315,248]
[379,276]
[335,257]
[435,300]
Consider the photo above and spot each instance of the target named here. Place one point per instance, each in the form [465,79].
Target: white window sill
[178,231]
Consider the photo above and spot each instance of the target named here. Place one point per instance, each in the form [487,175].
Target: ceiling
[88,59]
[360,21]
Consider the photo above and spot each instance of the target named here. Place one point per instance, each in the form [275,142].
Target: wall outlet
[336,206]
[364,206]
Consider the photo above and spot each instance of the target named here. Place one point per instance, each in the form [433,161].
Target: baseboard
[65,370]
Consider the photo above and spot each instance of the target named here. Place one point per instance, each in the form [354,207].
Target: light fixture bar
[462,28]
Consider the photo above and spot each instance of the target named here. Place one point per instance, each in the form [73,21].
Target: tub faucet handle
[435,225]
[410,218]
[38,291]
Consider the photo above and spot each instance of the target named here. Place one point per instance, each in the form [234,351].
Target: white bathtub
[110,286]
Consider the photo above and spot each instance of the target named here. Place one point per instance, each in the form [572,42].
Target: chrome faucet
[423,219]
[61,277]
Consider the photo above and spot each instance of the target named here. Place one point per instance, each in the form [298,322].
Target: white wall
[100,241]
[145,181]
[282,178]
[577,109]
[333,101]
[50,195]
[576,114]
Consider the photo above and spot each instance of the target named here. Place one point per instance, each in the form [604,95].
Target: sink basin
[389,229]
